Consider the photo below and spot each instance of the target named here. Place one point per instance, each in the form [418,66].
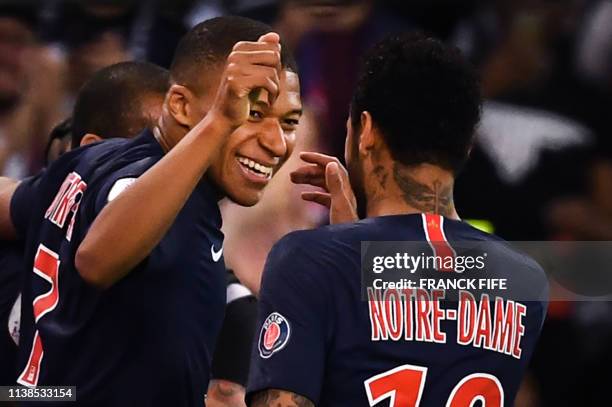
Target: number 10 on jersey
[404,385]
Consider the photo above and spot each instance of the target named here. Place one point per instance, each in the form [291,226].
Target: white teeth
[256,166]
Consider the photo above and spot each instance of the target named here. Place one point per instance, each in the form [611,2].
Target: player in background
[119,101]
[137,87]
[227,120]
[411,125]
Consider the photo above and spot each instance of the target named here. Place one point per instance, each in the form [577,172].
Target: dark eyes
[288,124]
[291,122]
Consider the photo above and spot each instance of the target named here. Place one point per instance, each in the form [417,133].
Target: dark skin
[390,188]
[223,393]
[279,398]
[435,197]
[202,133]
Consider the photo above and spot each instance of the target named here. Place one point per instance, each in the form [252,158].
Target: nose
[272,138]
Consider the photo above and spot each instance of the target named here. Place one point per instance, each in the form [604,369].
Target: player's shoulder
[346,237]
[322,243]
[368,228]
[311,255]
[116,159]
[318,251]
[512,259]
[461,231]
[319,236]
[511,253]
[112,154]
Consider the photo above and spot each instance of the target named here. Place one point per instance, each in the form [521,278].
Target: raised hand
[251,68]
[327,172]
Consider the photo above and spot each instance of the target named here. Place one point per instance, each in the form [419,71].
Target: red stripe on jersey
[46,265]
[434,232]
[29,376]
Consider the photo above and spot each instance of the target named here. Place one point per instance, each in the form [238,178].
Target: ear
[181,105]
[90,138]
[367,138]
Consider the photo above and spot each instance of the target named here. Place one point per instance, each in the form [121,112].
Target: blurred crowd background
[541,168]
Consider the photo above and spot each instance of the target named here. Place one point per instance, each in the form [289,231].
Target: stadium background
[541,168]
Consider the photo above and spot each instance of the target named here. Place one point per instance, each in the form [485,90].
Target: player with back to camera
[132,269]
[411,126]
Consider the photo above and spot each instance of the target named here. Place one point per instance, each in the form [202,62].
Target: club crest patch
[274,335]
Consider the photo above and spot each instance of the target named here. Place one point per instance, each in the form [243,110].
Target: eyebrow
[295,111]
[265,105]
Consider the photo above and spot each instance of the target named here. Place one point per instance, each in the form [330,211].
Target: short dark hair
[110,103]
[423,96]
[210,42]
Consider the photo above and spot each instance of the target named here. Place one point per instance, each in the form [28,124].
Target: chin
[246,199]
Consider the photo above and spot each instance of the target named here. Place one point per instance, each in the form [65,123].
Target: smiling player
[410,129]
[129,284]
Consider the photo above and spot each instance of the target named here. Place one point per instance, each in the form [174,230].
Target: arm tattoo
[436,198]
[279,398]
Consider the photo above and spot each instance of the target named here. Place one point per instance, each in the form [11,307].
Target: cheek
[228,166]
[220,165]
[290,142]
[347,148]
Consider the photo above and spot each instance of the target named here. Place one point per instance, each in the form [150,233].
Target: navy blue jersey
[11,273]
[232,354]
[319,338]
[148,339]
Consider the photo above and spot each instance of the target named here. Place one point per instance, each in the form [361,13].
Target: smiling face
[255,151]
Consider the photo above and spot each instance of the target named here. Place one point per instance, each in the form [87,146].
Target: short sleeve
[290,345]
[22,201]
[106,187]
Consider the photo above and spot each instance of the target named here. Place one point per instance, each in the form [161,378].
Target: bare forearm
[7,188]
[148,208]
[131,225]
[279,398]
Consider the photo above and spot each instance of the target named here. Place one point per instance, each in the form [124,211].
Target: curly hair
[423,96]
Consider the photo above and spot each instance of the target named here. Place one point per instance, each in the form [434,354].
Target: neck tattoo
[436,197]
